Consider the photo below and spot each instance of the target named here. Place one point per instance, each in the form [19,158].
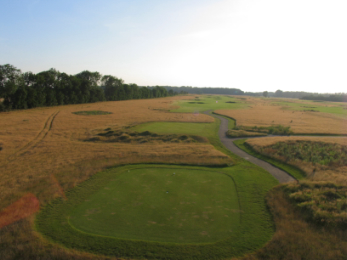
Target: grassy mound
[91,113]
[321,202]
[109,135]
[329,154]
[274,129]
[292,170]
[196,213]
[242,133]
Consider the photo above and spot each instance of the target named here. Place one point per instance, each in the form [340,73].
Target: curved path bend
[279,174]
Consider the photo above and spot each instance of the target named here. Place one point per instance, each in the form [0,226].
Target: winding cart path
[279,174]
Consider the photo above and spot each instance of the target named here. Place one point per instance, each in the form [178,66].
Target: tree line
[51,88]
[206,90]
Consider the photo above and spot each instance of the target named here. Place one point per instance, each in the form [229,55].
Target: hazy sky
[254,45]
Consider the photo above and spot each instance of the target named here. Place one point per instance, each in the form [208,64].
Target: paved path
[280,175]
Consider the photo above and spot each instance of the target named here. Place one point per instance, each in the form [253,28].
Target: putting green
[162,204]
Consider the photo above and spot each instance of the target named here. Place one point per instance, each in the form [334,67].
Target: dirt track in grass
[280,175]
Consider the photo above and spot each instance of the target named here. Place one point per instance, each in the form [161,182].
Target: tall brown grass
[297,239]
[262,113]
[314,172]
[42,154]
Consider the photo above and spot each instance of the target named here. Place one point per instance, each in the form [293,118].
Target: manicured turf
[162,204]
[209,130]
[201,129]
[241,223]
[205,103]
[337,109]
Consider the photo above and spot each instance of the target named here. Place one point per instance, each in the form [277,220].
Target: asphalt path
[279,174]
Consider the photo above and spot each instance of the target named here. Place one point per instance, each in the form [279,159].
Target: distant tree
[265,93]
[112,86]
[93,77]
[279,93]
[10,79]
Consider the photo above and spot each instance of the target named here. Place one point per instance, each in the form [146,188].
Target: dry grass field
[40,142]
[263,113]
[43,154]
[314,172]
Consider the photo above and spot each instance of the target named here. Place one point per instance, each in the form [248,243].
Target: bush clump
[274,129]
[242,133]
[123,136]
[329,154]
[323,203]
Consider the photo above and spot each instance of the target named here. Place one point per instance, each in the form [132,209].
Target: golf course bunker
[162,204]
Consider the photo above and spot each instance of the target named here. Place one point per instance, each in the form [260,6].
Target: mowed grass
[162,204]
[203,103]
[201,129]
[196,213]
[208,130]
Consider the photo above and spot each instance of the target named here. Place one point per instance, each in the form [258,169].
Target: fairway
[201,129]
[162,204]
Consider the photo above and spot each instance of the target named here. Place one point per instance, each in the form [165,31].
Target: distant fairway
[201,129]
[162,204]
[209,102]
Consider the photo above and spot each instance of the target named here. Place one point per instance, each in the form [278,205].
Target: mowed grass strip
[250,232]
[162,204]
[200,129]
[208,130]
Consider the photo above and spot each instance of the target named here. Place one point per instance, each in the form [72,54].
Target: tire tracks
[43,133]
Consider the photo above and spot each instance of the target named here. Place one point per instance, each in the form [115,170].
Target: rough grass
[43,154]
[39,142]
[292,170]
[325,107]
[255,229]
[124,136]
[262,113]
[328,154]
[91,113]
[321,158]
[242,133]
[273,129]
[295,238]
[320,202]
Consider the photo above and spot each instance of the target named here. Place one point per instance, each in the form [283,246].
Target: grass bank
[295,172]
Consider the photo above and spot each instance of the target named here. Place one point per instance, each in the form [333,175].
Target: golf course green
[162,204]
[164,212]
